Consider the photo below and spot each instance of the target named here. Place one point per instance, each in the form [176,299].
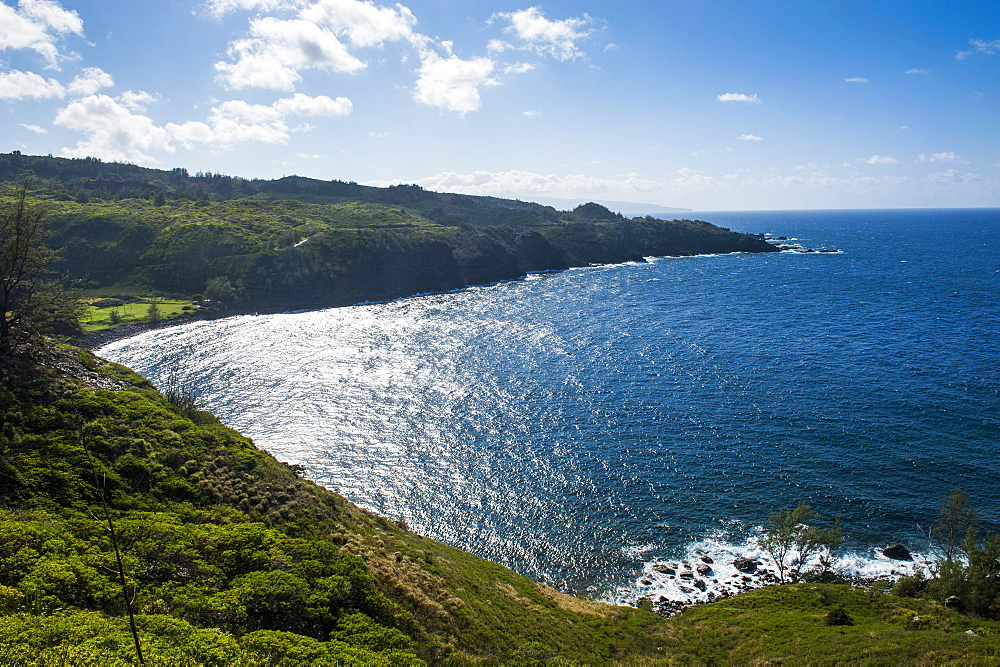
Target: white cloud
[89,81]
[34,128]
[321,105]
[18,85]
[531,113]
[917,70]
[498,46]
[308,156]
[237,121]
[220,7]
[518,68]
[277,50]
[879,159]
[984,47]
[116,131]
[750,137]
[38,25]
[363,23]
[954,176]
[517,182]
[939,157]
[136,100]
[856,79]
[378,135]
[540,35]
[113,131]
[452,83]
[738,97]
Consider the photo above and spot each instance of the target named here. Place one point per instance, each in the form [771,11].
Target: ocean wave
[727,562]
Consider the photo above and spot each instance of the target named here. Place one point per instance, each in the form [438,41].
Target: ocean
[587,427]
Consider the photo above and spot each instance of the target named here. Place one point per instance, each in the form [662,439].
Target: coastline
[98,339]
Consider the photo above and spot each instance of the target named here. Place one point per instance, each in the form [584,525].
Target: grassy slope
[230,550]
[220,535]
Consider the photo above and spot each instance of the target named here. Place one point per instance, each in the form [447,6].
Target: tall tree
[28,301]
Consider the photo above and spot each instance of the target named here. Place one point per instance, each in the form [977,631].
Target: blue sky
[698,104]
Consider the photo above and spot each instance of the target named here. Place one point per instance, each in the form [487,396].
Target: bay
[582,426]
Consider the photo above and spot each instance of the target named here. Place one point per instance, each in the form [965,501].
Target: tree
[153,312]
[28,301]
[956,520]
[792,541]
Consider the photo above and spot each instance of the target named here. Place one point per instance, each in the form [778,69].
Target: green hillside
[230,557]
[253,245]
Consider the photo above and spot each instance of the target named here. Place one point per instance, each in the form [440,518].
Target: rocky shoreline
[669,587]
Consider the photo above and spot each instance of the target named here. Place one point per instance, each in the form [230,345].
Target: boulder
[703,569]
[700,585]
[897,552]
[663,568]
[707,559]
[746,565]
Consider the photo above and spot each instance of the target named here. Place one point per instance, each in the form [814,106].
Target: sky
[701,104]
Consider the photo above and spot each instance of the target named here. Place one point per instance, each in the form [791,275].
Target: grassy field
[94,318]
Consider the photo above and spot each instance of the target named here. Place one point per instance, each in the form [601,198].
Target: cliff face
[323,273]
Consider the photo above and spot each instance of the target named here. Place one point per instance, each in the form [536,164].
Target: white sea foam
[706,570]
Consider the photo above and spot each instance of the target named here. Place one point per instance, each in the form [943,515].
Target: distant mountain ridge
[627,208]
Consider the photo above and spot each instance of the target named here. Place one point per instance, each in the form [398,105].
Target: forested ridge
[297,242]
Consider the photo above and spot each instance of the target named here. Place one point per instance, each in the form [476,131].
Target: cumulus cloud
[879,159]
[321,105]
[856,79]
[18,85]
[89,81]
[518,68]
[980,46]
[113,131]
[116,129]
[954,176]
[917,70]
[136,100]
[939,157]
[452,83]
[518,182]
[750,137]
[278,50]
[221,7]
[38,25]
[543,36]
[237,121]
[738,97]
[362,23]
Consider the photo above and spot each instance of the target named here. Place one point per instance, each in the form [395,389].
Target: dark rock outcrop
[897,552]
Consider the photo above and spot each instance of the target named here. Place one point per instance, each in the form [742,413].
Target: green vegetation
[230,557]
[251,245]
[966,577]
[793,539]
[98,316]
[810,624]
[31,302]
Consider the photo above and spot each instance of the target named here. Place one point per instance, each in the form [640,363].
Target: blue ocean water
[582,426]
